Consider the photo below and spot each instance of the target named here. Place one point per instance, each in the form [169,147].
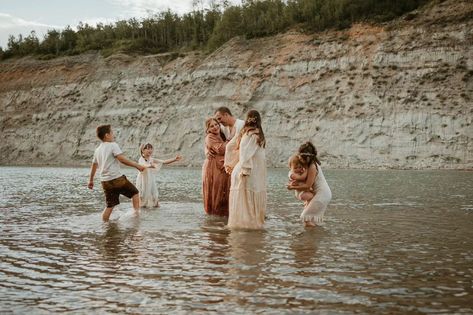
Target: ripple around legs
[393,242]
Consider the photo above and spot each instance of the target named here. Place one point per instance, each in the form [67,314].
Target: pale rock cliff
[397,95]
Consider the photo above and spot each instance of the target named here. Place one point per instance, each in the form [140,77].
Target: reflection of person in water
[120,241]
[305,246]
[249,257]
[216,249]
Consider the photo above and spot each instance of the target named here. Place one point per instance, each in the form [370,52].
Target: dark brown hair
[103,130]
[145,146]
[223,110]
[253,123]
[308,152]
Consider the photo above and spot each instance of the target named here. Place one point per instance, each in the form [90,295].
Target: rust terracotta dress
[215,182]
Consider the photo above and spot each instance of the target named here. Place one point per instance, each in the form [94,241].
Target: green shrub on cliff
[207,28]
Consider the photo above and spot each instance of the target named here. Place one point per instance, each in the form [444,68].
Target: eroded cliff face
[398,95]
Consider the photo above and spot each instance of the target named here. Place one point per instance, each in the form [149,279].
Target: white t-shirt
[105,156]
[239,124]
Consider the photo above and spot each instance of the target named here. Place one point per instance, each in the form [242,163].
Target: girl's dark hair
[145,146]
[308,152]
[253,122]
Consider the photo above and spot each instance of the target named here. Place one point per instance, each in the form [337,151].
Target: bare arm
[93,169]
[299,177]
[127,162]
[309,182]
[169,161]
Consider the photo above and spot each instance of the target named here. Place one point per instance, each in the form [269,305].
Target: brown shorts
[116,187]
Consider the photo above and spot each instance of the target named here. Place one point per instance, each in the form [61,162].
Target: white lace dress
[146,183]
[247,202]
[315,210]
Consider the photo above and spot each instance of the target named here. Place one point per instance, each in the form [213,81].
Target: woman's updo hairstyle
[309,153]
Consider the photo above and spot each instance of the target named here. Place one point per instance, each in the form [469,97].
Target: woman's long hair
[253,123]
[308,152]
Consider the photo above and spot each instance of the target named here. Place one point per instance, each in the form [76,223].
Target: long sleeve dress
[215,182]
[315,210]
[231,151]
[146,182]
[248,193]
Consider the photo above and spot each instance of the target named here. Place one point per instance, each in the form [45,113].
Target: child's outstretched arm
[126,161]
[93,169]
[169,161]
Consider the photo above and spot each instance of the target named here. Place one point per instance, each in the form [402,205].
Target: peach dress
[215,182]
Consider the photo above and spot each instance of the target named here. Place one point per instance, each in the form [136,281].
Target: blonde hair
[208,121]
[296,160]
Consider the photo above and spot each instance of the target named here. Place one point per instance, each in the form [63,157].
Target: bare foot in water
[309,224]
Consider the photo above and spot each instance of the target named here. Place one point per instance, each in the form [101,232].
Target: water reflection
[121,240]
[249,254]
[393,243]
[214,230]
[305,246]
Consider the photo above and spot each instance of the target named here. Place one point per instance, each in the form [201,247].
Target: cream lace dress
[146,183]
[247,203]
[315,210]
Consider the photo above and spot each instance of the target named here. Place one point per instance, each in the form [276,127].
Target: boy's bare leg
[106,213]
[136,202]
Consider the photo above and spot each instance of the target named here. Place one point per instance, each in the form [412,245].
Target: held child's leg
[106,213]
[306,196]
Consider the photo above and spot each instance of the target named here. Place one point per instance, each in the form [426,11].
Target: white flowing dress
[315,210]
[247,202]
[146,183]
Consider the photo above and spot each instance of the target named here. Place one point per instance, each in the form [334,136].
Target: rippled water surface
[394,242]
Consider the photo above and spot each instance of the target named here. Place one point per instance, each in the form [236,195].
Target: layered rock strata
[397,95]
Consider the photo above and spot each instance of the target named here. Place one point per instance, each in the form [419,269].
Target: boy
[106,159]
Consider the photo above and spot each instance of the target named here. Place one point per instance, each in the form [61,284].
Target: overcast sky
[23,16]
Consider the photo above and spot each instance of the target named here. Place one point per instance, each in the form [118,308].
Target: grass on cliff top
[207,29]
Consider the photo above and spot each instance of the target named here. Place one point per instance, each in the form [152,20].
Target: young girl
[298,175]
[146,180]
[313,211]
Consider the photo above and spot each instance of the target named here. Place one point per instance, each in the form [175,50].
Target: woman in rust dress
[216,182]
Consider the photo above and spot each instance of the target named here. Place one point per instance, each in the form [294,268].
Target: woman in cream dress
[314,210]
[247,204]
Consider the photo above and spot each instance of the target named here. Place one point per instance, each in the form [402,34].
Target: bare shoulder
[312,169]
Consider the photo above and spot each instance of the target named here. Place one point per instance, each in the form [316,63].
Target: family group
[233,174]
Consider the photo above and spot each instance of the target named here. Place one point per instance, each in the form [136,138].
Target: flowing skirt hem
[247,209]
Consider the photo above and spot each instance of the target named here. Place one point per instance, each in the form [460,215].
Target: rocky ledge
[397,95]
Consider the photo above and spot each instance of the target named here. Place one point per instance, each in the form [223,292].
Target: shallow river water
[393,242]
